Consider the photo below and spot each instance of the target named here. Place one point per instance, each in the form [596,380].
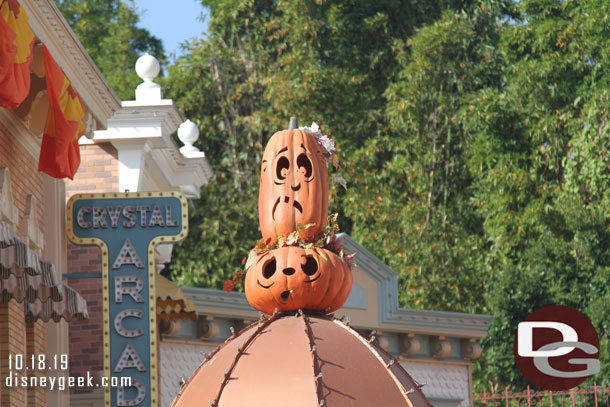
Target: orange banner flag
[16,53]
[60,153]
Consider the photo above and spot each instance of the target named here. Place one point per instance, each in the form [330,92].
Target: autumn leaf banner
[60,154]
[16,45]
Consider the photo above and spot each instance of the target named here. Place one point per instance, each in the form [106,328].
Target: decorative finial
[147,67]
[188,133]
[294,123]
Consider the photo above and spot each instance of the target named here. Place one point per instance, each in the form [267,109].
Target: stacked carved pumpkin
[300,359]
[293,193]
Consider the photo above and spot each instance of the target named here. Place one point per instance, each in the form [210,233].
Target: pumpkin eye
[305,163]
[269,268]
[282,164]
[310,267]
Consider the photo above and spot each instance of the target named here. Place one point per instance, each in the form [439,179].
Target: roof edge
[454,324]
[53,30]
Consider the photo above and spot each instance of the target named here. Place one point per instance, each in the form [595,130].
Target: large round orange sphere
[300,361]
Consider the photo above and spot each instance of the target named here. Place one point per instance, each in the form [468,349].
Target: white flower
[326,142]
[315,129]
[323,140]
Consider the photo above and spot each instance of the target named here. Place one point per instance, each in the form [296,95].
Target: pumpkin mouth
[295,203]
[285,295]
[264,286]
[298,206]
[313,279]
[275,207]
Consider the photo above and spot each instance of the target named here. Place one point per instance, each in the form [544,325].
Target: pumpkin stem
[293,124]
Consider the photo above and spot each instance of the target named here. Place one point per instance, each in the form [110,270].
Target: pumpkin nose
[288,271]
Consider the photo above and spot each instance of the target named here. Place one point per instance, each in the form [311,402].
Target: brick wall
[25,177]
[12,342]
[26,180]
[98,172]
[36,345]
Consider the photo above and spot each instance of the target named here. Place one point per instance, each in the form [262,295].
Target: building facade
[135,153]
[37,304]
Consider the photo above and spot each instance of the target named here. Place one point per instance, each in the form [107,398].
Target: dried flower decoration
[327,240]
[329,150]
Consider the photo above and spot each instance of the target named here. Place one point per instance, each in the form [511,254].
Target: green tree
[218,84]
[108,30]
[411,196]
[539,165]
[262,62]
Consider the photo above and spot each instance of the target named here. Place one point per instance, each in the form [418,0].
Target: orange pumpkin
[292,278]
[294,186]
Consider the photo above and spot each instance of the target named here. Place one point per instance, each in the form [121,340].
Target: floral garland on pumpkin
[327,240]
[328,150]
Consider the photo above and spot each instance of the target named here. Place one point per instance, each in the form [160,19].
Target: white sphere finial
[188,133]
[147,67]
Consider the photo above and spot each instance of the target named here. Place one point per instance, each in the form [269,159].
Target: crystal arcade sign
[127,227]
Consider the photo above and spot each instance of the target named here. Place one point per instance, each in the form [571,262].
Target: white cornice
[188,173]
[147,127]
[152,121]
[52,29]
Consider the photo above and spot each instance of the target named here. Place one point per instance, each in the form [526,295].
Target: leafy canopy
[109,32]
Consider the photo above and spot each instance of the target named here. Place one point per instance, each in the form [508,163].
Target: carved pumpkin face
[294,186]
[293,278]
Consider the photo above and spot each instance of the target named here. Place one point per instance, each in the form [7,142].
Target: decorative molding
[392,318]
[170,327]
[187,173]
[440,347]
[207,328]
[141,132]
[454,324]
[387,280]
[52,29]
[17,129]
[470,349]
[408,345]
[409,320]
[382,340]
[9,211]
[30,226]
[232,304]
[137,120]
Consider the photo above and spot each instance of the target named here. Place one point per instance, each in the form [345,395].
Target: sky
[173,24]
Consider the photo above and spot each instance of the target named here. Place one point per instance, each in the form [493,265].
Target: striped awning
[30,280]
[171,302]
[73,307]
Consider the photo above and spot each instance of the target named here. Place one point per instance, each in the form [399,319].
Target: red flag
[16,53]
[60,153]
